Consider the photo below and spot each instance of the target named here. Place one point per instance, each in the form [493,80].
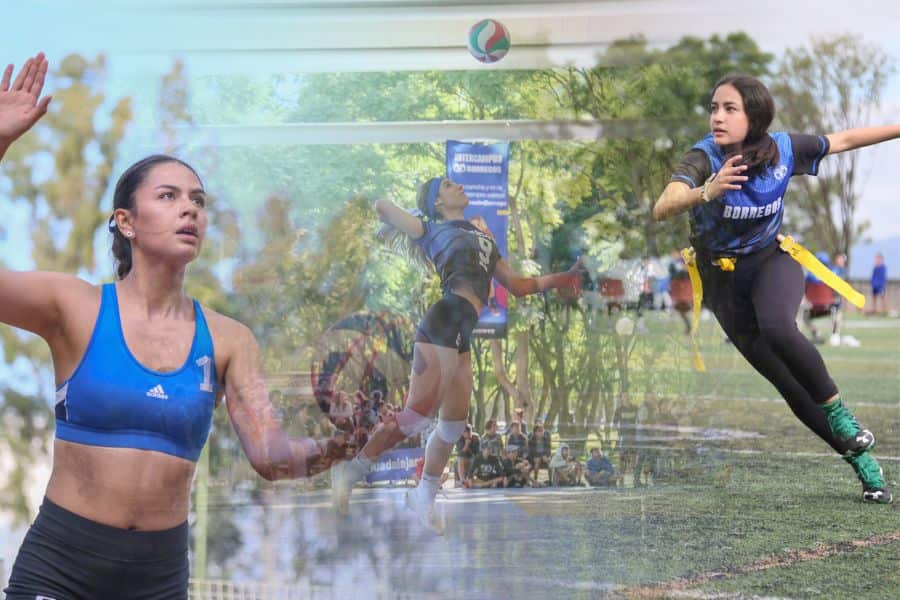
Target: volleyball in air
[488,40]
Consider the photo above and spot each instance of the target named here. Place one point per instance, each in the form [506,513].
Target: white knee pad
[450,431]
[411,422]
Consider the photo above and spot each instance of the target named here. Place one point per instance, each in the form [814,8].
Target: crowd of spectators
[522,454]
[353,415]
[517,459]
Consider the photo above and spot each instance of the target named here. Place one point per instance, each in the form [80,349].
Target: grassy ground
[744,502]
[777,515]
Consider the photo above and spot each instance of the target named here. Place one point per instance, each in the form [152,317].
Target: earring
[129,234]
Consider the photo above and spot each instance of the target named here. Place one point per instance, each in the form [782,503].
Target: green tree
[565,197]
[395,169]
[832,85]
[658,99]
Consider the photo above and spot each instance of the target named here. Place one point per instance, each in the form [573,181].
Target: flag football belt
[690,261]
[727,263]
[812,264]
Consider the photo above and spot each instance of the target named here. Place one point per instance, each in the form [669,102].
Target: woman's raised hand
[20,103]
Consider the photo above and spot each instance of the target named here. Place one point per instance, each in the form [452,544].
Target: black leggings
[756,305]
[67,557]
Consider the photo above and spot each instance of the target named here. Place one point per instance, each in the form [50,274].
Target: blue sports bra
[112,400]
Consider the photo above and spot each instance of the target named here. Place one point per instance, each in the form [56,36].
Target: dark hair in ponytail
[123,197]
[399,242]
[759,150]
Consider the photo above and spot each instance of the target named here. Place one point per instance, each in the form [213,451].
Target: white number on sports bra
[204,362]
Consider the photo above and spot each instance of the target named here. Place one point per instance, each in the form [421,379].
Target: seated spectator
[360,436]
[516,438]
[376,399]
[565,470]
[467,448]
[491,438]
[539,449]
[341,408]
[344,439]
[516,468]
[343,423]
[599,470]
[363,413]
[518,417]
[309,416]
[487,470]
[358,417]
[385,412]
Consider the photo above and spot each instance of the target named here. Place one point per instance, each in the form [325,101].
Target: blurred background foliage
[292,249]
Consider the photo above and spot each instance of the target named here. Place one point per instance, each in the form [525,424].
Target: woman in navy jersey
[139,369]
[733,182]
[466,259]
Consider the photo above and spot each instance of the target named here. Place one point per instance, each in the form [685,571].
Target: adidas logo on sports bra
[158,392]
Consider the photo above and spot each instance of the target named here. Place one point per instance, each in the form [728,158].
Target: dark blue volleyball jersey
[113,400]
[461,254]
[746,220]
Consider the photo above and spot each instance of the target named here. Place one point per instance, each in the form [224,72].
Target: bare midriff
[121,487]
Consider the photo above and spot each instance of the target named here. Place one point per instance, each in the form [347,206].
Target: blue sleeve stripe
[825,147]
[684,179]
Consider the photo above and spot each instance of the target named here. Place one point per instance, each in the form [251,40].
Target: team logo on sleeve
[779,172]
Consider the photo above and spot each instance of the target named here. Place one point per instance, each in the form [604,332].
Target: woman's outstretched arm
[851,139]
[270,450]
[522,286]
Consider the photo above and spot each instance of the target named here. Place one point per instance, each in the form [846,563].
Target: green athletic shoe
[846,428]
[872,477]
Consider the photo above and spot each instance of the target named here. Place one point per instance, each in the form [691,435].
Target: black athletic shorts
[449,323]
[67,557]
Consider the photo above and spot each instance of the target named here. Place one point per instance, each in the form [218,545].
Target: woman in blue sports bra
[140,367]
[733,182]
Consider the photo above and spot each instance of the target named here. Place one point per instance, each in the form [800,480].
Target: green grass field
[739,500]
[777,515]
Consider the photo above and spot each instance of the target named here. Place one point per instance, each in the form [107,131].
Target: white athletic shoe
[343,477]
[426,511]
[834,340]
